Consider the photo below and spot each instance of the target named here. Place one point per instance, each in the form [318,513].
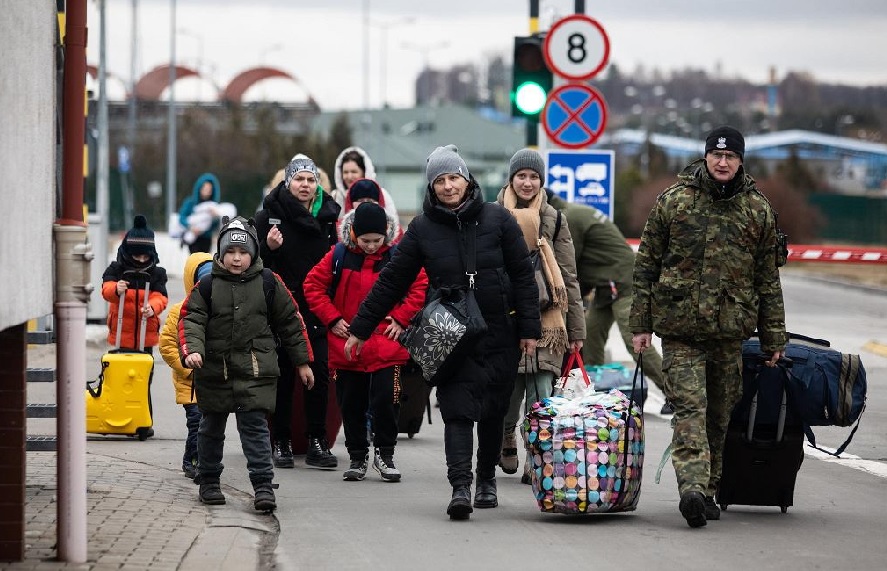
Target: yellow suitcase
[119,401]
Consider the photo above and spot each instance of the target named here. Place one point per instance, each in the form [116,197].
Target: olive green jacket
[233,334]
[706,266]
[602,254]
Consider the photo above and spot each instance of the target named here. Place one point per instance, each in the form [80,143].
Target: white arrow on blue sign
[583,177]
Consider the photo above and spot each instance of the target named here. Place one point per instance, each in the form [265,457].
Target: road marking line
[871,466]
[876,347]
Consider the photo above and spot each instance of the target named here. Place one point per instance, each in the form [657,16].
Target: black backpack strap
[338,258]
[205,287]
[557,227]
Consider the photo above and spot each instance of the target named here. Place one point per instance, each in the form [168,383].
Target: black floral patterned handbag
[448,326]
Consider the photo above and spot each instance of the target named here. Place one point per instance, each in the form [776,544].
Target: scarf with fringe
[554,328]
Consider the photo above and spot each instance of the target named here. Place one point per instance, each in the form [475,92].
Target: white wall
[27,163]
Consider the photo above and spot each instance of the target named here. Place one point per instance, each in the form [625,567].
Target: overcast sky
[321,42]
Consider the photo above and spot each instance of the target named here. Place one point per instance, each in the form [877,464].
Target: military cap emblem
[722,143]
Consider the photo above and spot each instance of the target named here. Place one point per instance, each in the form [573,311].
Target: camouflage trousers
[703,382]
[599,321]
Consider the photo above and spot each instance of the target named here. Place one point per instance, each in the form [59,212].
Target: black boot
[282,454]
[485,494]
[460,504]
[319,454]
[211,494]
[264,501]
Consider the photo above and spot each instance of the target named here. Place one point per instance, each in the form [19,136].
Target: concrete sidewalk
[144,517]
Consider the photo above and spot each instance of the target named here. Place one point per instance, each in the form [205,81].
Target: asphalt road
[837,520]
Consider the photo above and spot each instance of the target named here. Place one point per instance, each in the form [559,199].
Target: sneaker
[384,465]
[357,471]
[508,458]
[211,495]
[282,454]
[265,501]
[460,504]
[319,454]
[712,511]
[666,408]
[692,507]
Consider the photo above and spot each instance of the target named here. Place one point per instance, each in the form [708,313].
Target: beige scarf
[554,328]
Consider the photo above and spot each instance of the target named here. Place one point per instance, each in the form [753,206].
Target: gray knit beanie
[527,159]
[445,160]
[238,232]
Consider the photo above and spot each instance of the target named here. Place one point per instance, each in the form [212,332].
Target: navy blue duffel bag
[825,387]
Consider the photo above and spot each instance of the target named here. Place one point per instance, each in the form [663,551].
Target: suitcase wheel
[411,434]
[783,508]
[142,433]
[724,507]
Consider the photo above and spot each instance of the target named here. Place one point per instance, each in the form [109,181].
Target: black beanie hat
[725,138]
[139,240]
[364,188]
[369,217]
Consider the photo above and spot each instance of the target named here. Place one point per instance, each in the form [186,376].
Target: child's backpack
[205,286]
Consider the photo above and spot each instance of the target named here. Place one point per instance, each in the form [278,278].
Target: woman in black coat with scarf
[478,391]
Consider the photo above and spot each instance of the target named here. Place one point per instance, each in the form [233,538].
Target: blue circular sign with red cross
[574,115]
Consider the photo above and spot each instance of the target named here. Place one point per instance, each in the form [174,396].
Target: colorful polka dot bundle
[578,450]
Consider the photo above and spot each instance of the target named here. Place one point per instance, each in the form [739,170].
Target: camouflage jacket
[706,266]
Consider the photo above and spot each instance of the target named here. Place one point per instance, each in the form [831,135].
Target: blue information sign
[583,177]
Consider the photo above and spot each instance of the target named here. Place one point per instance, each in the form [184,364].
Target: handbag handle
[470,252]
[575,361]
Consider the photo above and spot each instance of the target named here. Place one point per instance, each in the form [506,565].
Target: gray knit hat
[238,232]
[445,160]
[527,159]
[299,163]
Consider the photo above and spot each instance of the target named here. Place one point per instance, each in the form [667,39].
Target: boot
[264,501]
[508,459]
[460,504]
[692,507]
[712,511]
[282,454]
[485,494]
[319,454]
[211,494]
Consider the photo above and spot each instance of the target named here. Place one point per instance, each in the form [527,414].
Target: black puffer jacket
[504,281]
[306,239]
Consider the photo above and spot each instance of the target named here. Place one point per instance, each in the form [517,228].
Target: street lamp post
[171,120]
[383,57]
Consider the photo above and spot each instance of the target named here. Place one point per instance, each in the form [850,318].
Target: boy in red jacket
[372,380]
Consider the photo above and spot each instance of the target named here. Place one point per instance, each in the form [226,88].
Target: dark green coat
[602,254]
[706,266]
[240,369]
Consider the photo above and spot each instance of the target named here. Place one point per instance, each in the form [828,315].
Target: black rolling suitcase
[765,441]
[415,399]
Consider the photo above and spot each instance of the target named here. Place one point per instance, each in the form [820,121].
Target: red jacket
[356,278]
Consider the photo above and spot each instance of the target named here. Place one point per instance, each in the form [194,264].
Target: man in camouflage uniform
[705,278]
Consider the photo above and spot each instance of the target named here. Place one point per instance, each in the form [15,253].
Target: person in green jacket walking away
[604,262]
[228,338]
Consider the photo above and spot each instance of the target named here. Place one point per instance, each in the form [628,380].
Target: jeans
[358,391]
[253,429]
[315,400]
[192,421]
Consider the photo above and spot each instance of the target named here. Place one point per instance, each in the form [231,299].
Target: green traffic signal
[529,98]
[531,78]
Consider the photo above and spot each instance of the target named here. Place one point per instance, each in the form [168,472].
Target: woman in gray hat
[479,389]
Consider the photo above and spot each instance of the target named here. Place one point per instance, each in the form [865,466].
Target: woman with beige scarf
[563,323]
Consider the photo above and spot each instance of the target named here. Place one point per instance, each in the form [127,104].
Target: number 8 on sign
[577,47]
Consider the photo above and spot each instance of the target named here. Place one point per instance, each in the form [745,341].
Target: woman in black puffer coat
[479,390]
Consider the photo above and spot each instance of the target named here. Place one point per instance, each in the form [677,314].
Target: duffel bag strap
[811,438]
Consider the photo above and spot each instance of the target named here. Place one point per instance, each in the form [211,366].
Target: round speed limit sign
[577,47]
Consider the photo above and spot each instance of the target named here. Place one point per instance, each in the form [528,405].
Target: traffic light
[530,79]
